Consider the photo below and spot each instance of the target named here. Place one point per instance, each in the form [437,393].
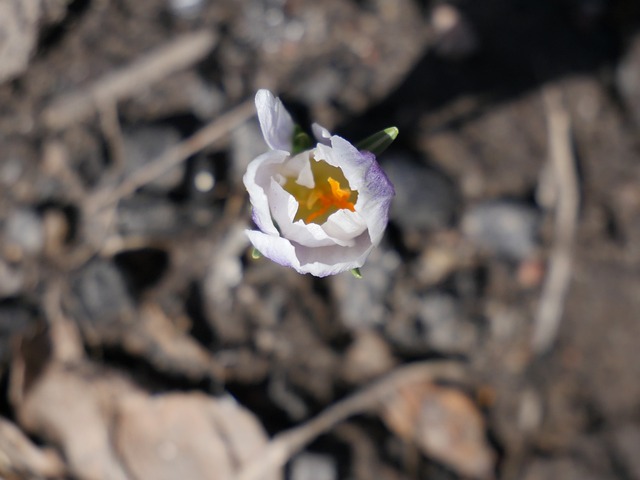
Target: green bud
[300,141]
[255,254]
[356,273]
[379,142]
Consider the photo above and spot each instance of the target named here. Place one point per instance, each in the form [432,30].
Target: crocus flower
[320,211]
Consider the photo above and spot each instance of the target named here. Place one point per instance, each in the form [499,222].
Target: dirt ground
[495,331]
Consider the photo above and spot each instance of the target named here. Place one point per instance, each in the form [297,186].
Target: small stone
[186,9]
[454,36]
[361,301]
[425,199]
[11,280]
[14,318]
[11,169]
[144,216]
[313,466]
[102,297]
[143,145]
[24,230]
[441,319]
[432,322]
[504,228]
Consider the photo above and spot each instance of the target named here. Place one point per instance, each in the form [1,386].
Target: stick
[563,164]
[154,66]
[286,444]
[172,157]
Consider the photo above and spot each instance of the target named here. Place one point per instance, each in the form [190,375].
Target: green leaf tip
[356,273]
[300,141]
[255,254]
[379,142]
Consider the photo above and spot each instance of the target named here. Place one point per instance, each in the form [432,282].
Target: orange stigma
[331,192]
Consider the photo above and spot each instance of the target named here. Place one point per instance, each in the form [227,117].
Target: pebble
[103,298]
[11,280]
[313,466]
[144,216]
[507,229]
[361,301]
[430,322]
[24,231]
[145,144]
[425,199]
[14,317]
[187,9]
[11,169]
[454,36]
[441,320]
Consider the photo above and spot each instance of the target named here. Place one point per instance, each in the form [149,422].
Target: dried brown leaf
[445,424]
[186,436]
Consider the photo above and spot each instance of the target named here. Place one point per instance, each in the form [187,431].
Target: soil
[125,323]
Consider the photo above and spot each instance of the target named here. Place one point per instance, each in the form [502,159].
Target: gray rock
[24,230]
[430,322]
[504,228]
[425,199]
[186,9]
[143,145]
[313,466]
[143,216]
[101,295]
[442,322]
[361,302]
[11,280]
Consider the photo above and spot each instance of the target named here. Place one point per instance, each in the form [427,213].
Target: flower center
[331,192]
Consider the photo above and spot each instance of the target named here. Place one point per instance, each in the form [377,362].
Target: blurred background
[140,340]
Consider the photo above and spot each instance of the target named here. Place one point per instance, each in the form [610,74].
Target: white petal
[322,134]
[374,200]
[276,248]
[299,167]
[344,225]
[318,261]
[323,261]
[275,121]
[375,191]
[257,180]
[284,208]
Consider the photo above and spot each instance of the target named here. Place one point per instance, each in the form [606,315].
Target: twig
[156,65]
[172,157]
[567,198]
[284,445]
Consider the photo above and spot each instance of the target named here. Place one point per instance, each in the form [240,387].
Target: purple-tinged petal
[375,191]
[275,122]
[375,198]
